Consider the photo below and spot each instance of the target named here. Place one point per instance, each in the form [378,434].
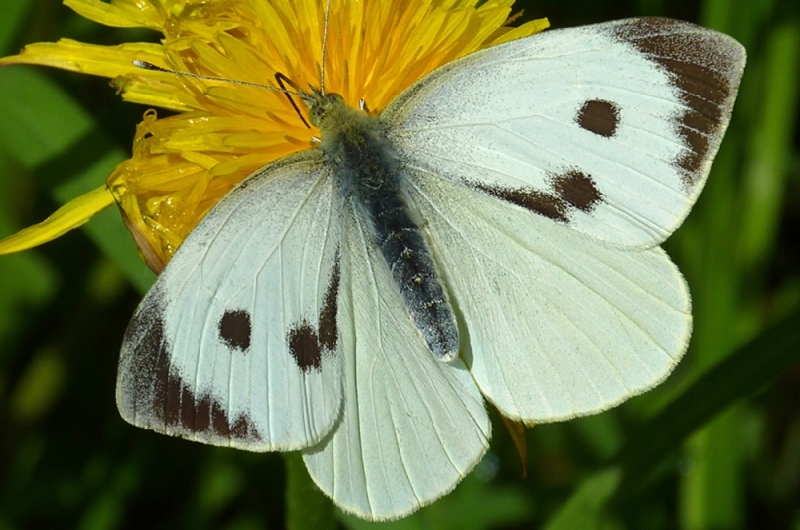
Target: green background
[716,447]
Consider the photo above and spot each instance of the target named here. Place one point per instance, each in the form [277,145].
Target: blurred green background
[716,447]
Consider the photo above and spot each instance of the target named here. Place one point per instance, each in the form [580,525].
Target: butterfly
[491,235]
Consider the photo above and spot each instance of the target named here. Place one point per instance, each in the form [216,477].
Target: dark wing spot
[536,201]
[305,345]
[705,68]
[328,333]
[599,117]
[572,189]
[235,329]
[577,189]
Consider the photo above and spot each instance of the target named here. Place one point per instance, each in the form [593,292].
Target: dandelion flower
[183,164]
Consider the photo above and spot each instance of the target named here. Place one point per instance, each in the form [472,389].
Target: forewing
[557,325]
[609,128]
[236,343]
[411,427]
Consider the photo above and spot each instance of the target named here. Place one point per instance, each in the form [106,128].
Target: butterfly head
[322,106]
[336,120]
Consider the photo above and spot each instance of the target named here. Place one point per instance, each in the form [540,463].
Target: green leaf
[28,97]
[13,14]
[585,509]
[771,144]
[25,279]
[60,144]
[738,376]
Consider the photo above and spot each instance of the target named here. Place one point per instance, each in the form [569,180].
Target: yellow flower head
[183,164]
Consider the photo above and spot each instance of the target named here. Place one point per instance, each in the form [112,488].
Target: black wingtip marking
[305,344]
[144,363]
[235,329]
[599,116]
[155,396]
[572,190]
[204,414]
[705,67]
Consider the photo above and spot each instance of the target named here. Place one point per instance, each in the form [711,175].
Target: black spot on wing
[577,189]
[306,344]
[599,117]
[571,190]
[235,329]
[705,67]
[538,202]
[153,395]
[305,347]
[328,333]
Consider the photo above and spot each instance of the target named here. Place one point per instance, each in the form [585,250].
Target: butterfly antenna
[324,48]
[281,79]
[150,66]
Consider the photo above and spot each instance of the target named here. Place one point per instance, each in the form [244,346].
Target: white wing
[558,325]
[236,343]
[608,128]
[411,427]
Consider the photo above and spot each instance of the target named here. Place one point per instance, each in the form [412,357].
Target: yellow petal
[182,164]
[507,34]
[71,215]
[124,15]
[106,61]
[116,62]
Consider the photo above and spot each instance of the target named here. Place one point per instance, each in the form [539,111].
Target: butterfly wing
[557,325]
[411,427]
[236,343]
[546,170]
[609,128]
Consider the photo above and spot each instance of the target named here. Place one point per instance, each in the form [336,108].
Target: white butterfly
[493,233]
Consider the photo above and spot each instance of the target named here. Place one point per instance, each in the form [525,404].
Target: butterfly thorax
[370,178]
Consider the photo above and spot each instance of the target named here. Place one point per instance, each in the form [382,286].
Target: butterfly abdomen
[401,243]
[370,178]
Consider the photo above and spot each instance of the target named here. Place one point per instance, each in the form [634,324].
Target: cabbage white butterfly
[493,233]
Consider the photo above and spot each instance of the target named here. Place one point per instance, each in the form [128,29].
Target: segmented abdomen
[410,261]
[371,177]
